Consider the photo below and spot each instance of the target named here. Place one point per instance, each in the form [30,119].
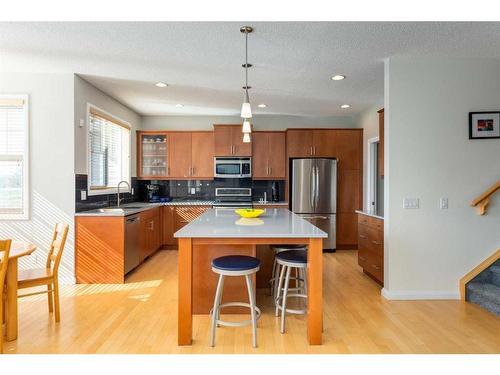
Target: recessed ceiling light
[338,77]
[179,105]
[161,84]
[263,105]
[344,106]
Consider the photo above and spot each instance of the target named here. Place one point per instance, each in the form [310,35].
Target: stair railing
[483,200]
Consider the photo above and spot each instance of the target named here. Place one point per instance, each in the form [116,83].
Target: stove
[233,198]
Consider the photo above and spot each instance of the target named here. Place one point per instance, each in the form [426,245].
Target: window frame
[25,160]
[121,122]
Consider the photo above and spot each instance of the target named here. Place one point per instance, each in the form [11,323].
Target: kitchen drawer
[371,239]
[371,222]
[373,264]
[363,258]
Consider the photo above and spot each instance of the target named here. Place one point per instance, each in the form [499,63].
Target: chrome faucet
[118,200]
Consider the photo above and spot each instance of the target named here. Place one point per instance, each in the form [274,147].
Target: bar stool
[288,260]
[235,265]
[273,281]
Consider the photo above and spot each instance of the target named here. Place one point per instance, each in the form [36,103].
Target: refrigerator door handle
[317,189]
[312,189]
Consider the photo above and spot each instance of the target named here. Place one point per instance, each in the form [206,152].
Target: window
[14,162]
[109,152]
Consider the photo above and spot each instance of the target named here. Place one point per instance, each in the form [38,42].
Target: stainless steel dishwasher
[132,245]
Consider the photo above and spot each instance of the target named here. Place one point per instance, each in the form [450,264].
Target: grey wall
[86,93]
[428,156]
[260,122]
[52,180]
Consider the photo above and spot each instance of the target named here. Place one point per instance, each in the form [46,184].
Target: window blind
[109,152]
[13,161]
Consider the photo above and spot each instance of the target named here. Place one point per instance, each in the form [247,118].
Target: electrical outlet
[83,195]
[132,191]
[411,203]
[443,203]
[193,191]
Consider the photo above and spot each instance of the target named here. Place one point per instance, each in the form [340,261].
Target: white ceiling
[201,62]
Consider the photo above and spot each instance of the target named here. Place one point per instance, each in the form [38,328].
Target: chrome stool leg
[251,298]
[285,295]
[216,309]
[278,290]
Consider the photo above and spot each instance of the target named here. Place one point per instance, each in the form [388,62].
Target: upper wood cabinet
[269,155]
[299,143]
[381,135]
[349,148]
[175,155]
[315,143]
[228,141]
[202,155]
[179,155]
[152,154]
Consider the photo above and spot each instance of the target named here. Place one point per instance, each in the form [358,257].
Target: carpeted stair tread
[484,294]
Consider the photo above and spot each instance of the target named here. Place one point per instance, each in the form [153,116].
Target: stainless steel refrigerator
[314,194]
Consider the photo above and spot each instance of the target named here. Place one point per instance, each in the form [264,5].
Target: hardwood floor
[140,317]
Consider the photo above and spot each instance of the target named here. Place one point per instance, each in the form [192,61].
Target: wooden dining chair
[4,261]
[47,276]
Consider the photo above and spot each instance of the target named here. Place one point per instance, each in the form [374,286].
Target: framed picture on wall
[483,125]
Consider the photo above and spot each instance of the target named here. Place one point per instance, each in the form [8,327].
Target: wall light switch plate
[193,190]
[82,123]
[132,191]
[443,203]
[411,203]
[83,195]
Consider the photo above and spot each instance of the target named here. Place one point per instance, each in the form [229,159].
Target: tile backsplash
[193,189]
[100,201]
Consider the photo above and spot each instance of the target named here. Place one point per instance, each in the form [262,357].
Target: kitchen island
[223,229]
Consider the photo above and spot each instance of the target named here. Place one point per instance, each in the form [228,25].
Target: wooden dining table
[18,249]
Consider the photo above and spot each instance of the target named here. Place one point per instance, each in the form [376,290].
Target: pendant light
[246,110]
[246,128]
[246,137]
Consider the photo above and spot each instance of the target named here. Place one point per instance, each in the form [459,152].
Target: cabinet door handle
[270,171]
[375,266]
[376,243]
[312,152]
[314,148]
[360,257]
[361,236]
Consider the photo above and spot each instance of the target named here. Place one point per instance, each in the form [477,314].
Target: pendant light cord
[246,65]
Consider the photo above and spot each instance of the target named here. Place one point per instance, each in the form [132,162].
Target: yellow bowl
[249,212]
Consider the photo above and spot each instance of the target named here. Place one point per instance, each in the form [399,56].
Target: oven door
[227,169]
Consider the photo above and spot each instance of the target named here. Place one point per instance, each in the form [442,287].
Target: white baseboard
[419,295]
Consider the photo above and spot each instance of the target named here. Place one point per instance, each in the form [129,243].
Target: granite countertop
[270,203]
[137,207]
[370,213]
[224,223]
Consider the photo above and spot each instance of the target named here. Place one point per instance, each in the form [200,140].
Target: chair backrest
[57,247]
[4,261]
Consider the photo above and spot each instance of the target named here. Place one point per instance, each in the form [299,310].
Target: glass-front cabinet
[153,155]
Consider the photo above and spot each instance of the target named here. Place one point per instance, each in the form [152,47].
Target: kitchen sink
[110,210]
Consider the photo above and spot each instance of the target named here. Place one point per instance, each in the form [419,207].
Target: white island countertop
[225,223]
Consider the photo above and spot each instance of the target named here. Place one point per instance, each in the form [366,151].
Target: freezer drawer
[327,224]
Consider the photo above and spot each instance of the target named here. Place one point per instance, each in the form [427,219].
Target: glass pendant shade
[246,110]
[246,137]
[246,128]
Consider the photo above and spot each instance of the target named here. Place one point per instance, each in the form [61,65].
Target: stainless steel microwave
[231,167]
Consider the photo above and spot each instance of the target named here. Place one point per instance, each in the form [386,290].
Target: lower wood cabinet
[150,233]
[371,246]
[175,217]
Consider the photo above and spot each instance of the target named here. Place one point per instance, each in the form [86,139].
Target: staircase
[484,289]
[482,285]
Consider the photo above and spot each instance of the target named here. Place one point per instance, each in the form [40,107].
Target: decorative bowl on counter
[249,212]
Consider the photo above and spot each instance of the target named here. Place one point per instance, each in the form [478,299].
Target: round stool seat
[235,263]
[292,256]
